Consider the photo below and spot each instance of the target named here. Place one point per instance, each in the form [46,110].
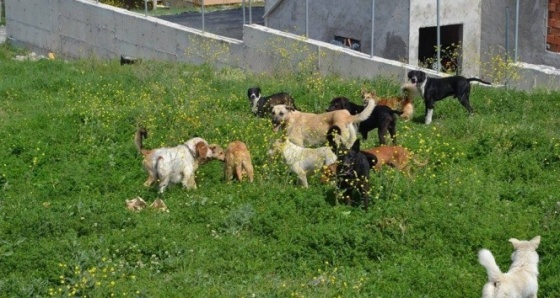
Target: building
[406,30]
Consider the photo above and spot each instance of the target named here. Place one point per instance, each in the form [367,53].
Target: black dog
[353,168]
[262,105]
[434,89]
[383,118]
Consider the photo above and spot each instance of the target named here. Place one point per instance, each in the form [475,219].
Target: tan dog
[172,165]
[394,156]
[521,279]
[303,161]
[307,129]
[403,103]
[237,158]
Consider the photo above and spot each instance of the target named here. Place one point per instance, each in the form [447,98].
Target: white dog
[521,279]
[303,161]
[172,165]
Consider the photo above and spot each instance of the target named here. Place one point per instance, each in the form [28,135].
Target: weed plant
[68,163]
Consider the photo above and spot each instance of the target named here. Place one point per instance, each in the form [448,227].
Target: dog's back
[521,279]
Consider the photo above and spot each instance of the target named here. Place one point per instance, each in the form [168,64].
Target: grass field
[68,163]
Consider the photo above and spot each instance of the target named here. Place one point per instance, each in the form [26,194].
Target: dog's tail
[363,115]
[487,260]
[409,91]
[140,135]
[478,80]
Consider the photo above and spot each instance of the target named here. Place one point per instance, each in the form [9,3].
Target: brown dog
[307,129]
[393,156]
[237,158]
[403,103]
[172,165]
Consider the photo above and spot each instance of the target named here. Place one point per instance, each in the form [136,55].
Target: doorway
[451,48]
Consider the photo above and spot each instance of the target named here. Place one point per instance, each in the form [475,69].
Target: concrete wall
[352,19]
[82,28]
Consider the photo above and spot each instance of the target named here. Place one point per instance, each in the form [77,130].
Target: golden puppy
[303,161]
[237,158]
[403,103]
[172,165]
[307,129]
[394,156]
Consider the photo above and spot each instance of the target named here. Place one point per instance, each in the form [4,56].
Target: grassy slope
[69,163]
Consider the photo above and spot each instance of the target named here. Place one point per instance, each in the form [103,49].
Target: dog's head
[525,250]
[217,152]
[199,148]
[277,147]
[416,77]
[253,94]
[369,95]
[338,103]
[280,114]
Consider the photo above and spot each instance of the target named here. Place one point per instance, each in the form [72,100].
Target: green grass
[68,163]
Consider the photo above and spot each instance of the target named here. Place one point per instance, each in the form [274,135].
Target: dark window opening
[451,51]
[346,42]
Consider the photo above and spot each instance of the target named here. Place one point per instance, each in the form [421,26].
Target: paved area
[227,22]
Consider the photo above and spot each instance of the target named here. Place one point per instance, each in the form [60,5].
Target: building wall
[351,19]
[533,31]
[424,14]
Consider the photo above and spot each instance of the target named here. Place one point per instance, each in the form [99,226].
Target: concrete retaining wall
[82,28]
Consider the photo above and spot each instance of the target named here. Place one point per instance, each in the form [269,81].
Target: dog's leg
[393,130]
[189,182]
[464,100]
[429,114]
[302,176]
[239,171]
[249,170]
[228,173]
[163,183]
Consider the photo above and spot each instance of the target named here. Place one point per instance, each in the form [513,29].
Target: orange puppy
[402,103]
[394,156]
[237,158]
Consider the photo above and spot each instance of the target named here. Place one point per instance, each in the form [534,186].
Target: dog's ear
[201,150]
[536,241]
[290,108]
[371,158]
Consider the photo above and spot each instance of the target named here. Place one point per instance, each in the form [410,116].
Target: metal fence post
[250,12]
[307,18]
[507,33]
[146,7]
[243,8]
[438,39]
[516,30]
[372,25]
[203,16]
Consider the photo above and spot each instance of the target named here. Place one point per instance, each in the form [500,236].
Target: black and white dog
[353,168]
[262,105]
[434,89]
